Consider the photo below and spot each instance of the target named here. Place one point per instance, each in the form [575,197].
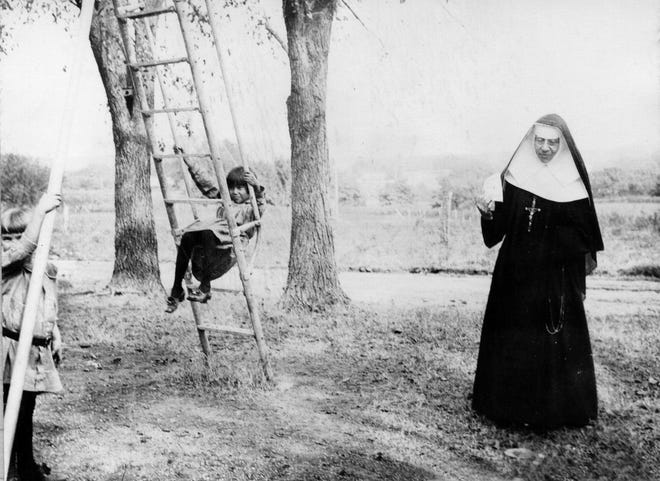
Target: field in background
[394,218]
[373,238]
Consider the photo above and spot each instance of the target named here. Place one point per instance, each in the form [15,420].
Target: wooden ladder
[139,13]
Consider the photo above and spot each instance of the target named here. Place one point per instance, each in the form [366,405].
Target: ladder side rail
[256,242]
[222,183]
[198,315]
[199,325]
[231,99]
[148,123]
[171,120]
[140,93]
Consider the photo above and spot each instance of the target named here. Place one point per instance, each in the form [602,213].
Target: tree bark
[312,282]
[136,249]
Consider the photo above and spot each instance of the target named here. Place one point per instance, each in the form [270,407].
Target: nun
[535,366]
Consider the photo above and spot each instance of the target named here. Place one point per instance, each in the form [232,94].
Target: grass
[372,392]
[379,239]
[365,393]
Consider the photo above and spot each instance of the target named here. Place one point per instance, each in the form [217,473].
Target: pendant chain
[551,327]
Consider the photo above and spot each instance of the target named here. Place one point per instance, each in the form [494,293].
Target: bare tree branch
[275,35]
[350,9]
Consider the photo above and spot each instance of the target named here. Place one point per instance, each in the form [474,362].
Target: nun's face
[546,148]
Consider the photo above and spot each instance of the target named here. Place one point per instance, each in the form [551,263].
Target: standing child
[207,244]
[20,235]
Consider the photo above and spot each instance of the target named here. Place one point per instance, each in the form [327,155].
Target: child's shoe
[197,295]
[173,302]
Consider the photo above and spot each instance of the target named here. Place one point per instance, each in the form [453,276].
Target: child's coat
[211,262]
[41,374]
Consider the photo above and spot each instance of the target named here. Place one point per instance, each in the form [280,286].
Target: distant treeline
[619,182]
[23,179]
[466,183]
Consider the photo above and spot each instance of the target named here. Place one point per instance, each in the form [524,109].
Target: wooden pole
[214,147]
[231,100]
[246,268]
[80,45]
[2,344]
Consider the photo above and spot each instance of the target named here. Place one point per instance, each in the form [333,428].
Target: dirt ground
[397,289]
[380,391]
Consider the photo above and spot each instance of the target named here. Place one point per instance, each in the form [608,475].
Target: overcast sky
[423,77]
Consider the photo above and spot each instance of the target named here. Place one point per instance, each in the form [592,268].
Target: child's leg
[188,242]
[204,265]
[13,469]
[24,431]
[205,286]
[209,243]
[22,457]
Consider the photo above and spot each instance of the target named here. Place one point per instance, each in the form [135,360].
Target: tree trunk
[312,282]
[136,250]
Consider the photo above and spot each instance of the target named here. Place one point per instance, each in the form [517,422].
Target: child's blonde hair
[14,221]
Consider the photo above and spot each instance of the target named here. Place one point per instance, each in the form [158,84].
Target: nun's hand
[485,207]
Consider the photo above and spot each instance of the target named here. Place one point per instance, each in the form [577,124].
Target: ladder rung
[180,156]
[228,329]
[146,13]
[249,225]
[228,291]
[194,201]
[155,63]
[172,110]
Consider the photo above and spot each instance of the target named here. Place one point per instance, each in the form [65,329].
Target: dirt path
[605,294]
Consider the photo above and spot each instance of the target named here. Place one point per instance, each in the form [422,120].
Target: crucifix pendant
[532,210]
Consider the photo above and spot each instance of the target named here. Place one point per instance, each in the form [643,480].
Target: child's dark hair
[14,221]
[235,177]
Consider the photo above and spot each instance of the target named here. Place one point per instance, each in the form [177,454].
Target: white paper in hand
[493,188]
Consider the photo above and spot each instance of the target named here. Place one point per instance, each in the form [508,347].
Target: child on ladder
[207,244]
[19,240]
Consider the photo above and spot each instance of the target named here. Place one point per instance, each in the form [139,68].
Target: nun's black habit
[535,365]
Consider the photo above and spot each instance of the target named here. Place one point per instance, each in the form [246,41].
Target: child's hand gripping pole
[252,184]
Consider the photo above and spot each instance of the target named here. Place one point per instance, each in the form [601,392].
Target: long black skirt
[535,366]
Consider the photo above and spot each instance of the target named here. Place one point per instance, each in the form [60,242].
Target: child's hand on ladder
[250,178]
[49,202]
